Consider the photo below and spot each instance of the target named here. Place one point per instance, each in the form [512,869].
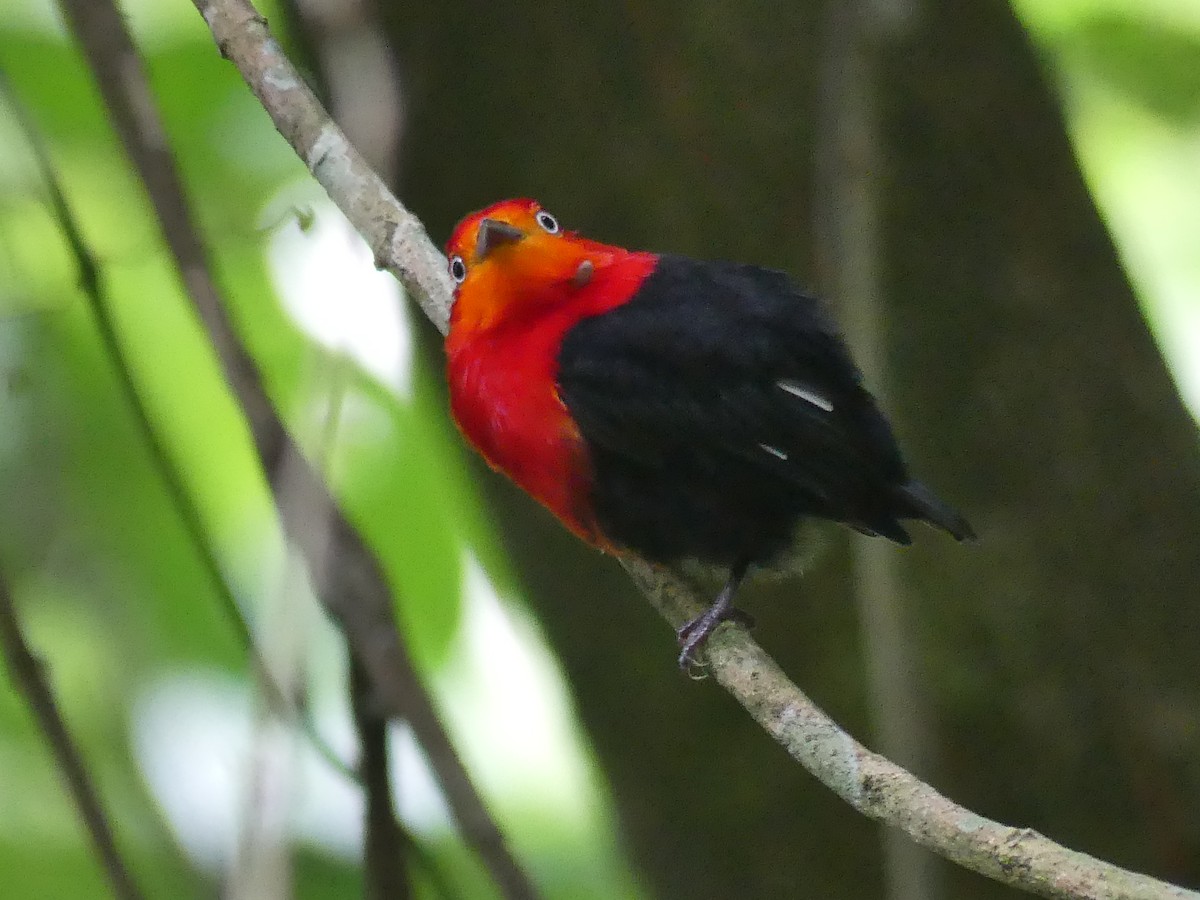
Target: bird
[674,408]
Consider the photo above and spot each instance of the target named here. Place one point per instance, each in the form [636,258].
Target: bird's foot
[694,633]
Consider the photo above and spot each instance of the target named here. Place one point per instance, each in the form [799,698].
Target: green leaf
[1152,64]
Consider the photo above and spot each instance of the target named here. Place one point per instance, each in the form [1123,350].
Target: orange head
[512,258]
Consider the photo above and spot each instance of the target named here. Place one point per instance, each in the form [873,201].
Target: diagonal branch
[870,783]
[882,790]
[395,235]
[27,676]
[346,574]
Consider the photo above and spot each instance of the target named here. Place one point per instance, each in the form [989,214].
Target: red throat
[503,372]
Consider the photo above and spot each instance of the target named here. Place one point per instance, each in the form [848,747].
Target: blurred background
[1003,206]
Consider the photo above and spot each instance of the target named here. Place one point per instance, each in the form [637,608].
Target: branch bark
[346,574]
[882,790]
[385,866]
[870,783]
[27,676]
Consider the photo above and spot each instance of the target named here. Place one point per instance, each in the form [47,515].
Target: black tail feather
[916,501]
[884,526]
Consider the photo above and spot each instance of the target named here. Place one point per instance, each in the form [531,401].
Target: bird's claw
[694,634]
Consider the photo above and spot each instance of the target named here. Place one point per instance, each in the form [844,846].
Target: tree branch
[346,574]
[395,236]
[868,782]
[385,871]
[882,790]
[26,673]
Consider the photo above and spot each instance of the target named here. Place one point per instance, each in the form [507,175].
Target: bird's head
[513,256]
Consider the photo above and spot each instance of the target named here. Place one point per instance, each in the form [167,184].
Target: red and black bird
[666,406]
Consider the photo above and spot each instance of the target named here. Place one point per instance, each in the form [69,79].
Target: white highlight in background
[195,734]
[327,281]
[505,695]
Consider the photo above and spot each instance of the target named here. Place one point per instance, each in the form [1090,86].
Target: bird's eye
[458,269]
[548,222]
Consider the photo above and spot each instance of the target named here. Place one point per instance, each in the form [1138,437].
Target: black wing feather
[696,448]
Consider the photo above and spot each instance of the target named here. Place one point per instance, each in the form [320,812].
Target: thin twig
[847,223]
[870,783]
[91,283]
[385,844]
[353,588]
[27,676]
[385,868]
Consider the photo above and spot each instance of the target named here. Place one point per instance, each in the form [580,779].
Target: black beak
[493,233]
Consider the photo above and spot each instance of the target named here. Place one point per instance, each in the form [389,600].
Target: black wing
[719,405]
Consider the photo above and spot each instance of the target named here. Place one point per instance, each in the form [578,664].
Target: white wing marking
[798,390]
[774,451]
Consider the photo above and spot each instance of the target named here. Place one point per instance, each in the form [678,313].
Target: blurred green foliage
[1129,75]
[1150,64]
[108,582]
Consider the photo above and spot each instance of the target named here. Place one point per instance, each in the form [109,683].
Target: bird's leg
[694,633]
